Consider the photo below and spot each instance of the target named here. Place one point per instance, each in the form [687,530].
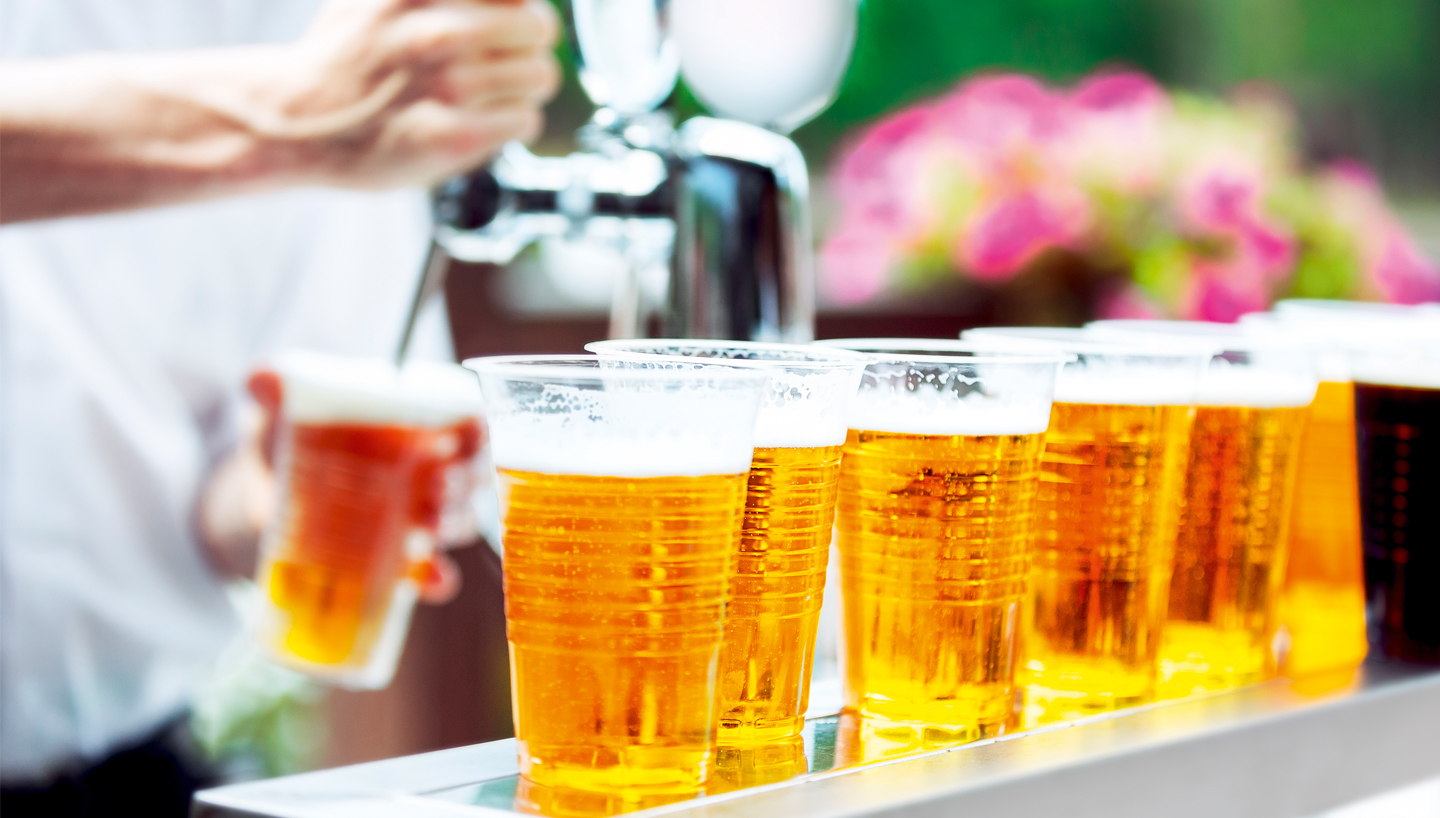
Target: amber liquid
[354,492]
[935,539]
[754,764]
[1322,607]
[614,597]
[779,584]
[1111,484]
[1230,553]
[1399,454]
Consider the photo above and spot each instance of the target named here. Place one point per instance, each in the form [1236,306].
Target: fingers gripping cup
[1251,412]
[1112,483]
[621,493]
[936,524]
[371,459]
[774,606]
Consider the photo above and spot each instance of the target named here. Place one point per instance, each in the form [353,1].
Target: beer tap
[721,203]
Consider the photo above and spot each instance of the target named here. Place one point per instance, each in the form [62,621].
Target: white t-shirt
[124,343]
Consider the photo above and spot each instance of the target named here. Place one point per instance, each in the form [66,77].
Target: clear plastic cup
[622,490]
[374,462]
[1230,555]
[1397,424]
[936,527]
[1113,482]
[774,607]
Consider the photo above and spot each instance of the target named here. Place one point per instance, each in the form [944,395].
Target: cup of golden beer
[1111,485]
[774,607]
[1322,603]
[622,490]
[375,463]
[936,525]
[1251,411]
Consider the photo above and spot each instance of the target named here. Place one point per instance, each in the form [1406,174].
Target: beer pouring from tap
[724,203]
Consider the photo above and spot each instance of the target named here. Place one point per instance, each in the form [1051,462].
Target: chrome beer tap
[722,204]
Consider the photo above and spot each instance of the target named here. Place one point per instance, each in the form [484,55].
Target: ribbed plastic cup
[774,608]
[621,494]
[1111,489]
[936,524]
[1253,405]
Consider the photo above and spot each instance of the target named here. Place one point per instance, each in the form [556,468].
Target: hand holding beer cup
[376,466]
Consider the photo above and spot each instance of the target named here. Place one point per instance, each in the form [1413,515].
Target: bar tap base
[1274,749]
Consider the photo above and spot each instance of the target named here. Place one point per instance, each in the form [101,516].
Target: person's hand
[377,94]
[238,502]
[381,93]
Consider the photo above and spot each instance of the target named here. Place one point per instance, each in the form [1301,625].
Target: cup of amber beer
[1111,486]
[1397,421]
[774,606]
[1251,411]
[1322,603]
[936,525]
[374,462]
[622,489]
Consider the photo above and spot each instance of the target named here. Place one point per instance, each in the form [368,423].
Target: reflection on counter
[735,767]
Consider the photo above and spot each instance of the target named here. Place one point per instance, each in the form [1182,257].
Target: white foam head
[579,415]
[937,387]
[1256,387]
[1416,365]
[1245,371]
[810,388]
[321,387]
[1111,373]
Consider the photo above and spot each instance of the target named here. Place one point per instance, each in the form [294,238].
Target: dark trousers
[153,778]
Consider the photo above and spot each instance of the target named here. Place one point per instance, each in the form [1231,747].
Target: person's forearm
[114,131]
[376,94]
[111,132]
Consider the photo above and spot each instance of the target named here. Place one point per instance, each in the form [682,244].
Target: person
[187,186]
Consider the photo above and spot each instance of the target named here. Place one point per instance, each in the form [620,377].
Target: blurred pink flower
[1128,301]
[856,261]
[1404,274]
[1008,233]
[989,177]
[993,115]
[1224,292]
[1392,264]
[1225,203]
[1117,122]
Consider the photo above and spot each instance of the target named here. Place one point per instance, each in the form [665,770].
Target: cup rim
[833,358]
[919,350]
[572,368]
[1082,344]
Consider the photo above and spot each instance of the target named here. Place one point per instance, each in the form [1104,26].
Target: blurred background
[1363,78]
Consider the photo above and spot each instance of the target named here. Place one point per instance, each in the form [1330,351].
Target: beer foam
[1156,389]
[1255,388]
[958,418]
[933,412]
[803,409]
[810,388]
[1120,372]
[558,428]
[1415,370]
[326,388]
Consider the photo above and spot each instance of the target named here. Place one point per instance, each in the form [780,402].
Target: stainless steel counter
[1271,750]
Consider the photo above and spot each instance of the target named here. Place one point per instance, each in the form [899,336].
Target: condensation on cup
[376,465]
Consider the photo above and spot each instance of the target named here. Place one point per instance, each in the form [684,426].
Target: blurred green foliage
[1364,74]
